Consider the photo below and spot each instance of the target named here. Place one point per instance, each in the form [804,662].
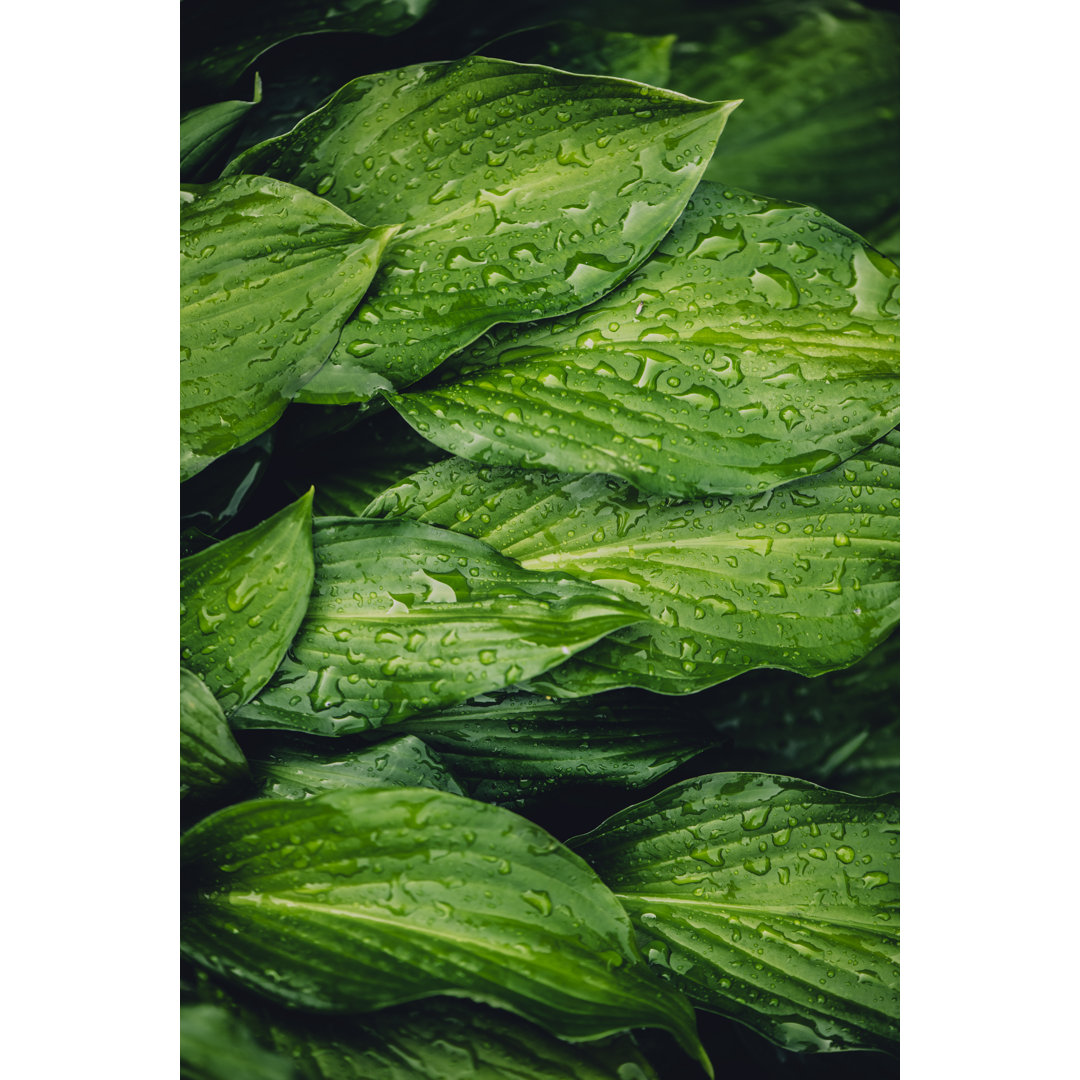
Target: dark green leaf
[757,346]
[767,899]
[215,1045]
[209,756]
[358,900]
[268,274]
[208,133]
[298,769]
[241,602]
[405,617]
[523,191]
[804,578]
[211,501]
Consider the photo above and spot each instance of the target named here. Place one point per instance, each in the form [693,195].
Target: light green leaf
[209,756]
[221,38]
[515,746]
[758,345]
[384,896]
[297,769]
[241,602]
[588,50]
[405,617]
[523,191]
[215,1045]
[767,899]
[208,133]
[268,274]
[804,578]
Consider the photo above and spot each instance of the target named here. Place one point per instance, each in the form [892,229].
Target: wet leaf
[209,756]
[208,133]
[241,602]
[523,192]
[293,768]
[406,617]
[268,274]
[766,899]
[215,1045]
[357,900]
[757,346]
[804,578]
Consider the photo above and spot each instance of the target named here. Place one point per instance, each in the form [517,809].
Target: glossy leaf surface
[208,133]
[268,274]
[406,617]
[357,900]
[757,346]
[216,1045]
[523,192]
[241,602]
[299,769]
[767,899]
[209,755]
[803,578]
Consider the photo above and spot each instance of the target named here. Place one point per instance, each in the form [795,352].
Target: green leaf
[211,501]
[803,578]
[821,119]
[268,273]
[384,896]
[241,602]
[298,769]
[588,50]
[405,617]
[523,191]
[209,756]
[757,346]
[513,747]
[767,899]
[215,1045]
[208,133]
[223,37]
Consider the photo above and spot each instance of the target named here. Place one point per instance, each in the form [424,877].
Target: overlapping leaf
[767,899]
[241,602]
[209,755]
[215,1045]
[357,900]
[208,133]
[523,192]
[405,617]
[757,345]
[804,578]
[268,274]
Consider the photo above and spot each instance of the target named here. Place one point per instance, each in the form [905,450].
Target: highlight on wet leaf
[758,345]
[522,192]
[767,899]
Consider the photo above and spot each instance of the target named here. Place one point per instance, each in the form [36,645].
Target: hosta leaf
[574,46]
[208,133]
[767,899]
[212,500]
[209,755]
[222,37]
[758,345]
[803,578]
[522,191]
[268,273]
[515,746]
[215,1045]
[357,900]
[298,769]
[405,617]
[241,602]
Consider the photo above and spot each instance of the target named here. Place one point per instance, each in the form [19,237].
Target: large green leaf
[209,755]
[523,192]
[356,900]
[208,133]
[767,899]
[513,747]
[758,345]
[215,1045]
[804,577]
[222,37]
[295,768]
[268,274]
[241,602]
[405,617]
